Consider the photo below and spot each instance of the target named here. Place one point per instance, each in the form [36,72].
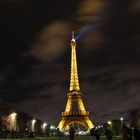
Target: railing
[75,113]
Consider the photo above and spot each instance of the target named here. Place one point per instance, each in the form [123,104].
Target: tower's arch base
[69,120]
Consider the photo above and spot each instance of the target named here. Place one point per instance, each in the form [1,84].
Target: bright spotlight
[99,126]
[109,122]
[12,122]
[13,115]
[33,121]
[44,125]
[33,125]
[52,127]
[73,40]
[121,119]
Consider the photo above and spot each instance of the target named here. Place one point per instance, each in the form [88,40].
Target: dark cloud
[35,56]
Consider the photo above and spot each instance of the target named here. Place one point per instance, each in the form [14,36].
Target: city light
[99,126]
[13,115]
[121,119]
[33,125]
[11,122]
[52,127]
[109,122]
[33,121]
[44,127]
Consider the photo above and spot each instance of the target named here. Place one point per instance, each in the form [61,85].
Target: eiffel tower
[70,115]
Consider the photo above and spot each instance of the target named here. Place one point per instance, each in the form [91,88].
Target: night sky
[35,56]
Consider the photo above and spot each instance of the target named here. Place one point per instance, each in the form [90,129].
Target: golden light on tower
[74,82]
[70,116]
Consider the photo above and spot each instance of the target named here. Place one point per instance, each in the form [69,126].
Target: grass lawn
[66,138]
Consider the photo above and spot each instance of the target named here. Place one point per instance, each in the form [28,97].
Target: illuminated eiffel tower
[70,115]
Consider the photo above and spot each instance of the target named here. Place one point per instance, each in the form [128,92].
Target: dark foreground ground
[65,138]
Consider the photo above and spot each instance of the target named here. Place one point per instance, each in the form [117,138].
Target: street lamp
[13,115]
[121,119]
[101,126]
[109,122]
[98,126]
[52,127]
[33,125]
[12,122]
[33,121]
[44,126]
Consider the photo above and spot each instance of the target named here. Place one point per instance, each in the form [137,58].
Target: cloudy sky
[35,56]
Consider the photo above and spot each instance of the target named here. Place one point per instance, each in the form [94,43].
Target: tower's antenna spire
[72,34]
[74,82]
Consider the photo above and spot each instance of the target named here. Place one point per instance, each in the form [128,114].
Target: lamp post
[110,124]
[33,125]
[52,128]
[12,122]
[99,126]
[44,127]
[121,119]
[121,126]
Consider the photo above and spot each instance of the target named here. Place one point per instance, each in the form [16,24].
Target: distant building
[135,117]
[115,126]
